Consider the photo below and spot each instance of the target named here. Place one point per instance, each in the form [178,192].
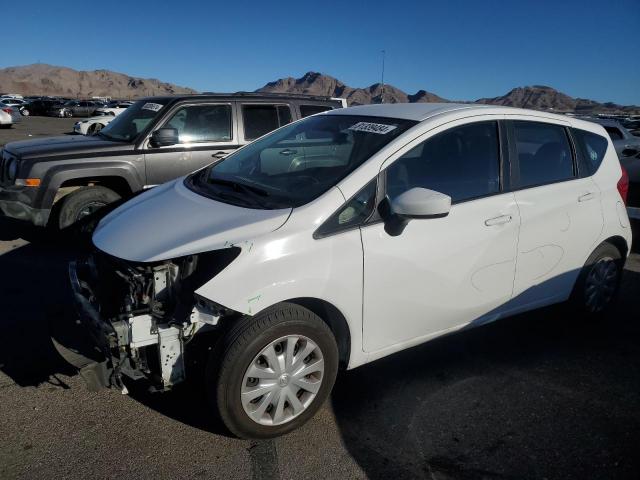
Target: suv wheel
[271,373]
[68,113]
[598,282]
[83,202]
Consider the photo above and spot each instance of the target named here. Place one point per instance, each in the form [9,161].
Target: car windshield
[297,163]
[127,126]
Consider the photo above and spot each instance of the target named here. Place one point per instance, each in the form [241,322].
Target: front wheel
[599,280]
[271,373]
[82,203]
[95,128]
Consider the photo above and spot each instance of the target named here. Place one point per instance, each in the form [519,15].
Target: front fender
[289,265]
[55,176]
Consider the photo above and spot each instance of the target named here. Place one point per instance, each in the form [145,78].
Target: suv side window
[261,119]
[202,123]
[306,110]
[592,147]
[614,133]
[462,162]
[544,153]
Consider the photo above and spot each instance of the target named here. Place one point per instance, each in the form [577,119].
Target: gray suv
[60,180]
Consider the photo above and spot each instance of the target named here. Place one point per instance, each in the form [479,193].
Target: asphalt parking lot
[541,395]
[34,127]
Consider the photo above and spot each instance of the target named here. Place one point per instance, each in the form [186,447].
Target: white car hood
[171,221]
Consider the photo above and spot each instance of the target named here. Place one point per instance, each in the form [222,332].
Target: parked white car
[9,116]
[347,236]
[92,125]
[113,109]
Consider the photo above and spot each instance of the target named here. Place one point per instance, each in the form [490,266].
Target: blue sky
[456,49]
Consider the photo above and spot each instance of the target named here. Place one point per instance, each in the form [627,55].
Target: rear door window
[543,152]
[592,148]
[260,119]
[306,110]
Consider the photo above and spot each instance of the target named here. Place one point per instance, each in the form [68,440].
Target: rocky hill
[314,83]
[42,79]
[535,97]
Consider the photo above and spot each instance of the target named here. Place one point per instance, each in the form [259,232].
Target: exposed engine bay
[142,316]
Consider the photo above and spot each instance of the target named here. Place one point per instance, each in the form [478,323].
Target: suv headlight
[12,169]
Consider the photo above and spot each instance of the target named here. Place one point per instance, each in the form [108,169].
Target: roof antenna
[382,92]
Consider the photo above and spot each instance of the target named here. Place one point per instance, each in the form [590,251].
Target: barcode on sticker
[379,128]
[154,107]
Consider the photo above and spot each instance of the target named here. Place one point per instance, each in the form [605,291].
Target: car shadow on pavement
[543,394]
[33,296]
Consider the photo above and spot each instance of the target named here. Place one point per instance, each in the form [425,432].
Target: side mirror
[416,203]
[163,137]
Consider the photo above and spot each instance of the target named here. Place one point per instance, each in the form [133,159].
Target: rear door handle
[219,155]
[586,197]
[288,151]
[502,219]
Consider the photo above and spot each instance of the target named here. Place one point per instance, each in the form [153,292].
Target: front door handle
[502,219]
[288,151]
[219,155]
[586,197]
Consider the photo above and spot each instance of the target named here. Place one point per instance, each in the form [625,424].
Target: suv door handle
[586,197]
[219,155]
[502,219]
[288,151]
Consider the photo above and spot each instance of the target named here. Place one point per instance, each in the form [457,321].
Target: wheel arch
[336,321]
[620,243]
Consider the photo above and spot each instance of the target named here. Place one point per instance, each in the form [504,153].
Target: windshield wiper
[239,186]
[254,192]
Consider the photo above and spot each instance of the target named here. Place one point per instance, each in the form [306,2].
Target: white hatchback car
[344,237]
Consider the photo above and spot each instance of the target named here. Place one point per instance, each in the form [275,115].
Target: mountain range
[43,79]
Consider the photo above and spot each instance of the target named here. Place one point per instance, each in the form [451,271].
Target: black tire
[68,114]
[95,128]
[236,350]
[605,255]
[75,204]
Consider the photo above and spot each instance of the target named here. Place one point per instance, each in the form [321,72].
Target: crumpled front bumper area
[91,346]
[17,202]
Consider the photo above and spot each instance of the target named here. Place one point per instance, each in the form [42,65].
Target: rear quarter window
[592,148]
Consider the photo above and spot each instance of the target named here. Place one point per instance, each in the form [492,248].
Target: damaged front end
[142,316]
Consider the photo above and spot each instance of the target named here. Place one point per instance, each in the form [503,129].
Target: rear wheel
[271,373]
[598,283]
[82,203]
[25,112]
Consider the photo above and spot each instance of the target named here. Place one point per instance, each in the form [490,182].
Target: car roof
[239,95]
[407,111]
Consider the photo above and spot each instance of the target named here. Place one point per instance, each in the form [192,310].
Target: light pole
[382,93]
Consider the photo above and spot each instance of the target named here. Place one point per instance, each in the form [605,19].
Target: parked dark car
[75,108]
[60,180]
[41,106]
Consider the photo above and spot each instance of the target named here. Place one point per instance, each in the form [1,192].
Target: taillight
[623,185]
[8,110]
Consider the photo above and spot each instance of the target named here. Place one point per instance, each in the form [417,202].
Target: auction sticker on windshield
[378,128]
[154,107]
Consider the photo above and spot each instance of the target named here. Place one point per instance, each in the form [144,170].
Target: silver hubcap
[600,284]
[282,380]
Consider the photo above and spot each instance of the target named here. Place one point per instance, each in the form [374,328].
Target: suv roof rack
[272,94]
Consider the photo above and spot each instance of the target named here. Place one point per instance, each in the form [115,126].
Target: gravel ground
[540,395]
